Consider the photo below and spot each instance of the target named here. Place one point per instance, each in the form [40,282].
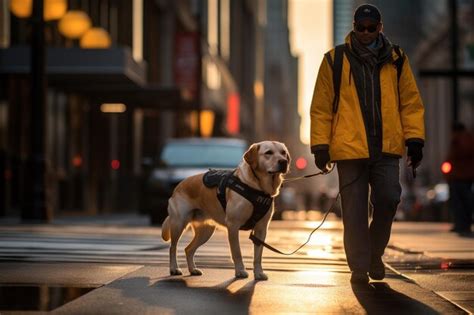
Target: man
[460,178]
[364,126]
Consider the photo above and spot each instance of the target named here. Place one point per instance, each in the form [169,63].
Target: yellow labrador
[194,204]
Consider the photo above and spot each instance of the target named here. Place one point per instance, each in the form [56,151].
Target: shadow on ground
[378,298]
[182,295]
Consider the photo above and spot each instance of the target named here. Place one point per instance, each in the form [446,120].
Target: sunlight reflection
[320,253]
[322,240]
[236,286]
[321,277]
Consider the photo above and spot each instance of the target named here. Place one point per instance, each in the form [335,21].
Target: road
[123,269]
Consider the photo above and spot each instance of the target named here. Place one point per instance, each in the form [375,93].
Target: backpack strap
[337,69]
[336,73]
[399,62]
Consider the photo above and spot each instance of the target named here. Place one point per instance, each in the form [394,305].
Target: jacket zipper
[373,100]
[365,86]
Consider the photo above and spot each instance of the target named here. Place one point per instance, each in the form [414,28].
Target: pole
[454,58]
[34,201]
[199,96]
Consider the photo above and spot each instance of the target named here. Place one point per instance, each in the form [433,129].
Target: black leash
[258,241]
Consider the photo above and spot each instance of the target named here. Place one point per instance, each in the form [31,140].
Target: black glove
[415,153]
[321,159]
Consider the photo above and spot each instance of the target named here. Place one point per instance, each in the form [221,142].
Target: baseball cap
[367,11]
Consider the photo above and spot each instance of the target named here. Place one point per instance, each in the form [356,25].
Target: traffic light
[77,161]
[301,163]
[115,164]
[446,167]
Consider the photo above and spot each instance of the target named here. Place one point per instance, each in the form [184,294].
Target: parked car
[184,157]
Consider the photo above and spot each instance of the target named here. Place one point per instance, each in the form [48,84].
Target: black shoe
[377,269]
[359,277]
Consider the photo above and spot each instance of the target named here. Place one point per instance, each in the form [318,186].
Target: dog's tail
[165,229]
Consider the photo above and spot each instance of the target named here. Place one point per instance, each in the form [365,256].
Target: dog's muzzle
[283,166]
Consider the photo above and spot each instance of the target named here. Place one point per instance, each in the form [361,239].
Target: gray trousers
[365,241]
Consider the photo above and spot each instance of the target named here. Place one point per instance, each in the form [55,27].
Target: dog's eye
[270,152]
[283,153]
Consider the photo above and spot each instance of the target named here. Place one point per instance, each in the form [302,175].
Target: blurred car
[184,157]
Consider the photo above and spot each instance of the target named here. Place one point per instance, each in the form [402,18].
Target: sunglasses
[361,28]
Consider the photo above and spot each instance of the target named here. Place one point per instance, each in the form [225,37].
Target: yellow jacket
[344,131]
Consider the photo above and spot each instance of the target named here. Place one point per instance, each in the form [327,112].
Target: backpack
[337,69]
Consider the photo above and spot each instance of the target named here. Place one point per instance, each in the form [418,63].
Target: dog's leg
[176,229]
[233,234]
[202,233]
[260,232]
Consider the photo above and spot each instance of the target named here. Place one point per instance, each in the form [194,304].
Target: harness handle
[331,168]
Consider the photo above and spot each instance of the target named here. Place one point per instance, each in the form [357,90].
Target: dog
[194,204]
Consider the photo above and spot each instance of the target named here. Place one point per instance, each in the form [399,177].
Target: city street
[114,114]
[121,265]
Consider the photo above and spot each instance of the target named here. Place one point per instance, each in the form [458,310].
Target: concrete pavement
[125,267]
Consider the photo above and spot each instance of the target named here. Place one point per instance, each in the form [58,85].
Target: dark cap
[367,11]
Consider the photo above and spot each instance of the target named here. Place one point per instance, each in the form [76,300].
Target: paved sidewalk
[126,268]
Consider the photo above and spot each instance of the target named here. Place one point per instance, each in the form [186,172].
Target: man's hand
[321,159]
[415,154]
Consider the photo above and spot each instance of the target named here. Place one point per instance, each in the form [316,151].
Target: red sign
[233,113]
[186,63]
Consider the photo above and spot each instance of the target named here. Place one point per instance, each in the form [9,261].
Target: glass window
[202,155]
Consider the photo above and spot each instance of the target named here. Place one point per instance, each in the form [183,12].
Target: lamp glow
[96,38]
[301,163]
[53,9]
[21,8]
[446,167]
[113,108]
[74,24]
[207,123]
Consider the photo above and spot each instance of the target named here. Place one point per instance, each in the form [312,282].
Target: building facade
[110,110]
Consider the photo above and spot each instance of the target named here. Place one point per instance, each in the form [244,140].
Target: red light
[301,163]
[115,164]
[445,265]
[77,161]
[446,167]
[233,113]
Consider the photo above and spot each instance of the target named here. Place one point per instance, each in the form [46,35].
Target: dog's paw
[195,272]
[241,274]
[176,272]
[260,276]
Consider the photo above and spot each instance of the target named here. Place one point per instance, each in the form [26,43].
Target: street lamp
[21,8]
[95,38]
[53,9]
[203,119]
[74,24]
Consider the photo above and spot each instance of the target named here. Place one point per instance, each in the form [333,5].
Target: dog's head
[268,157]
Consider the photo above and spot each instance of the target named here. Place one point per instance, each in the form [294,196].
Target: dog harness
[223,179]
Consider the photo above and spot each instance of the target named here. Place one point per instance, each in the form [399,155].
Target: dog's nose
[283,164]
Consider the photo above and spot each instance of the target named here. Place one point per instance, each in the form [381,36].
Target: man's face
[366,31]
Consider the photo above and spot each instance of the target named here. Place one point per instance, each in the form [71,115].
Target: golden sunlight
[311,27]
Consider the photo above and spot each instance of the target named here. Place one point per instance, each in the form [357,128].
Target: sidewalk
[125,270]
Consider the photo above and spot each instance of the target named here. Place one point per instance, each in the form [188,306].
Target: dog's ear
[251,156]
